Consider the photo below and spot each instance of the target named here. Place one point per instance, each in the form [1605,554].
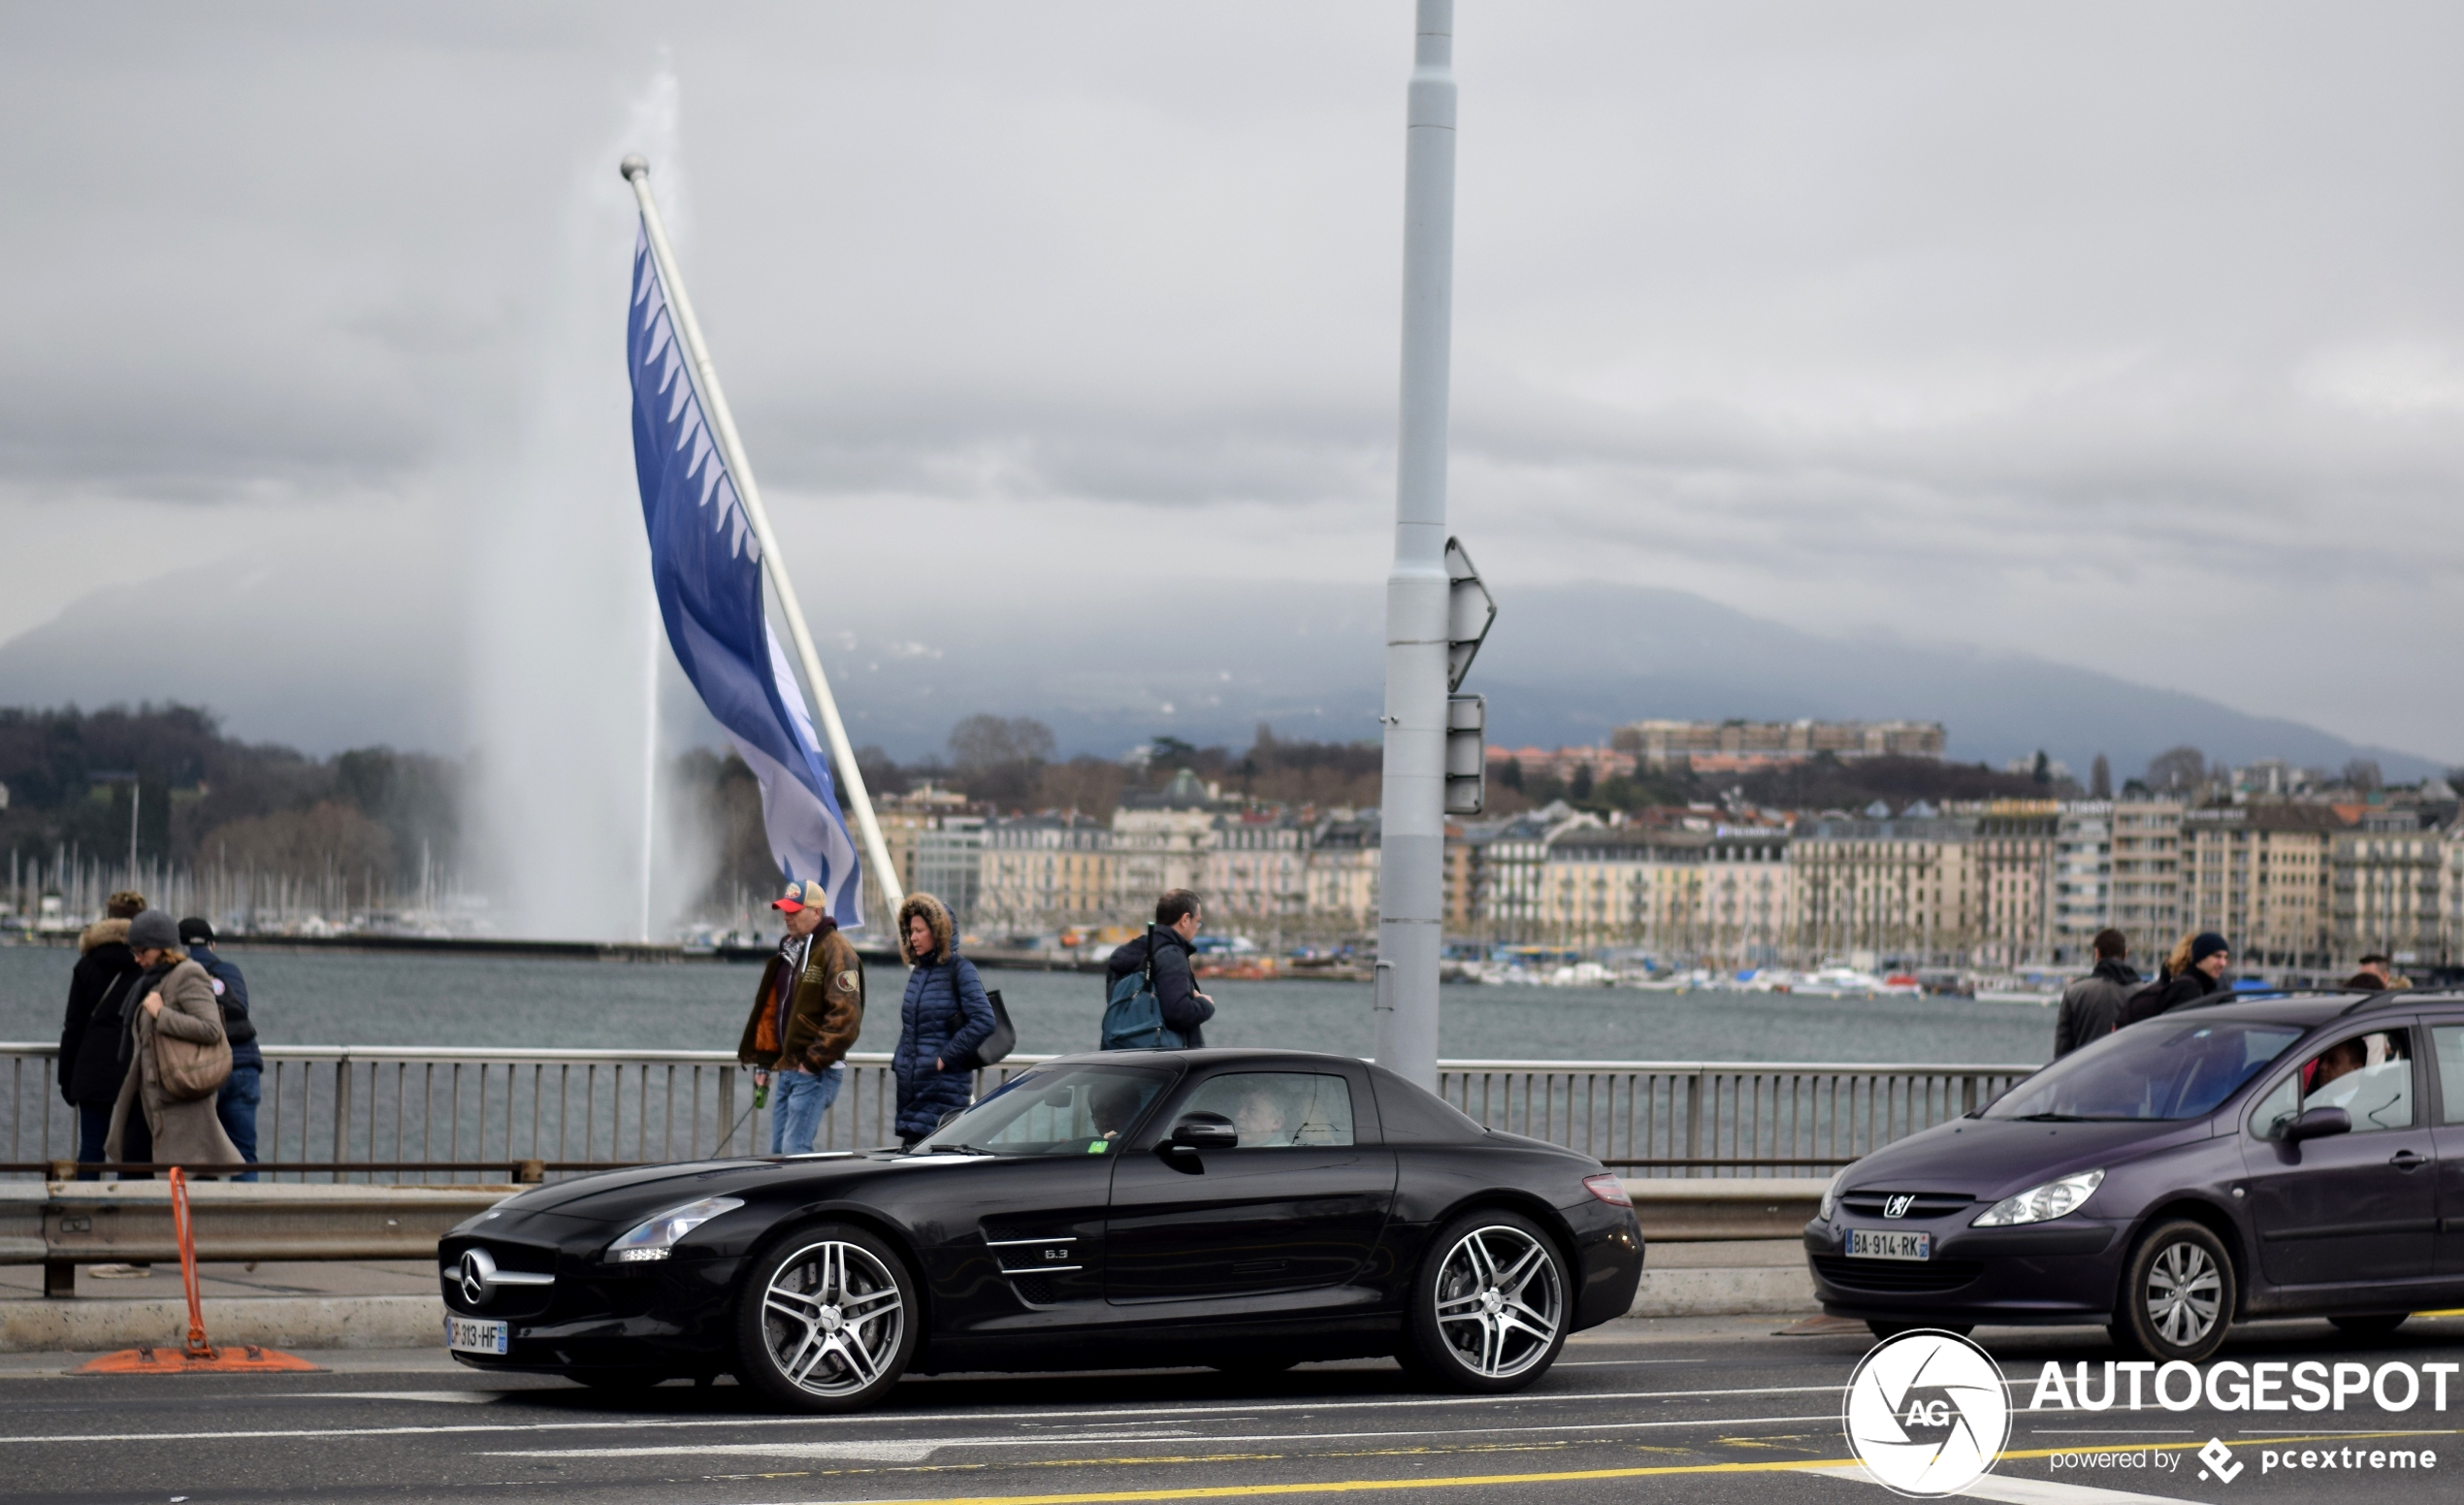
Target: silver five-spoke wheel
[2183,1293]
[1500,1301]
[832,1319]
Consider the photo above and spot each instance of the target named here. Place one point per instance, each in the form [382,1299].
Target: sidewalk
[321,1304]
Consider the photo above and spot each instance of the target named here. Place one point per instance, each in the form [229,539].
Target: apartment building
[1743,918]
[1045,869]
[2081,880]
[2145,895]
[1257,866]
[2263,877]
[2011,857]
[1511,863]
[2388,889]
[1622,886]
[1661,743]
[950,863]
[1899,889]
[1160,841]
[1342,873]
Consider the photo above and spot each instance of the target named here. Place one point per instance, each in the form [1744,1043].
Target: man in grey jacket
[2091,1006]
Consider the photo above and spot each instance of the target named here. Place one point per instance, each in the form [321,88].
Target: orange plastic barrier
[199,1357]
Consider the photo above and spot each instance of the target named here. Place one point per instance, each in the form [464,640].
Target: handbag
[187,1070]
[1003,1039]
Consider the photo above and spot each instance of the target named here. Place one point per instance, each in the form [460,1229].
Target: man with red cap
[805,1017]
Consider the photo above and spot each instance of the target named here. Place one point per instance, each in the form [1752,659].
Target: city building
[1742,918]
[2012,860]
[1344,853]
[1040,870]
[2262,875]
[1513,859]
[1622,886]
[1256,868]
[1736,744]
[2082,879]
[2144,893]
[950,863]
[1160,839]
[2386,889]
[1869,891]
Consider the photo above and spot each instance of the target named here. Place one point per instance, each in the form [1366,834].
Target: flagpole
[705,378]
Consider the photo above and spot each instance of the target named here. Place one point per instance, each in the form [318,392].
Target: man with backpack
[2195,969]
[236,1104]
[2091,1006]
[1160,960]
[805,1017]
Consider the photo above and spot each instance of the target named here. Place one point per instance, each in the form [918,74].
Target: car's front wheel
[2177,1295]
[1489,1306]
[826,1319]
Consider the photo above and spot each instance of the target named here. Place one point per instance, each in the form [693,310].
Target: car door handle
[2405,1159]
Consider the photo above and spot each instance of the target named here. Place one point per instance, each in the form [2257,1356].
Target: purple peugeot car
[2281,1157]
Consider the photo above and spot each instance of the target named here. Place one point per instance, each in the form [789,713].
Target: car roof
[1214,1055]
[2312,1010]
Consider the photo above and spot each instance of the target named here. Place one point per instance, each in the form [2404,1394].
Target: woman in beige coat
[180,1002]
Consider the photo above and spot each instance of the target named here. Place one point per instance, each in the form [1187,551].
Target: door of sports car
[1297,1204]
[2354,1207]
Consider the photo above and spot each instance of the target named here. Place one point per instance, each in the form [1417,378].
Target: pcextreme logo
[1926,1413]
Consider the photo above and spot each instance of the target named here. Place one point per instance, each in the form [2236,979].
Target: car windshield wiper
[959,1149]
[2075,1118]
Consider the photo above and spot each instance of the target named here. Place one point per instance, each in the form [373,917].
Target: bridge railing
[442,1115]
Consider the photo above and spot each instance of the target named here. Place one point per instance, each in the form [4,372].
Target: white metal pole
[706,380]
[649,765]
[1411,863]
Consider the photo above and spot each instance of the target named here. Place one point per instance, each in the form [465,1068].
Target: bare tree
[2101,779]
[981,742]
[2362,773]
[2177,771]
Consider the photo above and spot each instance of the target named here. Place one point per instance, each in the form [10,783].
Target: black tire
[826,1318]
[2177,1295]
[1489,1305]
[1883,1329]
[2377,1324]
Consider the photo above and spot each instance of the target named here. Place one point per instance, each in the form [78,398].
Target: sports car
[1246,1209]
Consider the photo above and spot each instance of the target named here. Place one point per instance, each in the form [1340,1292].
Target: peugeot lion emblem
[478,1275]
[1896,1206]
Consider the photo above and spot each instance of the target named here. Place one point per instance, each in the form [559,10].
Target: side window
[2277,1108]
[2451,1050]
[2370,1076]
[1275,1111]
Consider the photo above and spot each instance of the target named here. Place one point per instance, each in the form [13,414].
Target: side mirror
[1204,1132]
[2318,1123]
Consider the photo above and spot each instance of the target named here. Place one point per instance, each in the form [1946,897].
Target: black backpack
[2145,1001]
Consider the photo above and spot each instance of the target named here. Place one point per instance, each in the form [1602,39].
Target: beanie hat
[153,930]
[2207,944]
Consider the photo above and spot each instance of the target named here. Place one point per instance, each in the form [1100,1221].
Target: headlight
[654,1239]
[1831,1200]
[2041,1204]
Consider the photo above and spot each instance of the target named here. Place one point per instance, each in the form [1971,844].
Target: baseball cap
[195,931]
[800,896]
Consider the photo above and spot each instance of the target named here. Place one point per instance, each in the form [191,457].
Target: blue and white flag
[706,566]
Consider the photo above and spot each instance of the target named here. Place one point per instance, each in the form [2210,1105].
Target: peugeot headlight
[1831,1200]
[2043,1203]
[653,1240]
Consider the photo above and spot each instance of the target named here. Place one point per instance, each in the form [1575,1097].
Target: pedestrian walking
[236,1105]
[2376,974]
[806,1015]
[2091,1006]
[1169,944]
[941,1021]
[90,1067]
[2194,969]
[153,1120]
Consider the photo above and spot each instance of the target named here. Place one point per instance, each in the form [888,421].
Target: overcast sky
[2129,336]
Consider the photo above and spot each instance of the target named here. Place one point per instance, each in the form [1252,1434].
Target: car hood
[622,1193]
[1991,1158]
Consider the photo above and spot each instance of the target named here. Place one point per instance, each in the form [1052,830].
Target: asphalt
[1708,1409]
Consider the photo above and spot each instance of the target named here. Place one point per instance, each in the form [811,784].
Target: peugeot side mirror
[2318,1123]
[1204,1132]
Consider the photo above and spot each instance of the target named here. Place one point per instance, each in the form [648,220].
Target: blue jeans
[237,1106]
[797,1101]
[94,1125]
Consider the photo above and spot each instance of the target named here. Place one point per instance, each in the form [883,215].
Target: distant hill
[321,664]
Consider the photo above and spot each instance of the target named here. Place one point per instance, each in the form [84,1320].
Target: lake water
[376,999]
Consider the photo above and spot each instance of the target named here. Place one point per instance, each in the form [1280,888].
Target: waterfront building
[1743,916]
[1462,880]
[1256,868]
[902,819]
[1622,886]
[1040,870]
[1602,763]
[1344,854]
[1160,839]
[1900,889]
[1513,859]
[1661,744]
[2261,875]
[2082,881]
[2386,887]
[2012,859]
[2145,892]
[950,863]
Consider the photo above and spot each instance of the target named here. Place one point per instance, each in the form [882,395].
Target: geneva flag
[706,566]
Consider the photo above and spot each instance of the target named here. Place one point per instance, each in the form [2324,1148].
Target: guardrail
[430,1115]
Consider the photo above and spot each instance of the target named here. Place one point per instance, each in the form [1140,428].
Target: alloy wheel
[832,1319]
[1499,1301]
[2185,1293]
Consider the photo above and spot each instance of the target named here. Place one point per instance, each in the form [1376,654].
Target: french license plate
[473,1335]
[1874,1244]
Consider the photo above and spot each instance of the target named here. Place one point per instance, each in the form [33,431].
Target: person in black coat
[1172,940]
[90,1065]
[2091,1006]
[2195,969]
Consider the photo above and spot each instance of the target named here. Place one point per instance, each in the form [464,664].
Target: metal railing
[471,1115]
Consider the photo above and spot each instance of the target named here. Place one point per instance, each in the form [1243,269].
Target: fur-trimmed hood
[936,914]
[103,933]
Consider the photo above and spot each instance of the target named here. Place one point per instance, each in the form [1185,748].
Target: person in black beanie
[2195,969]
[236,1104]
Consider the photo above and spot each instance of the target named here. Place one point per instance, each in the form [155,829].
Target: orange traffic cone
[200,1357]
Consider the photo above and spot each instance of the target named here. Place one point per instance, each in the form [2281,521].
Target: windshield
[1053,1110]
[2157,1070]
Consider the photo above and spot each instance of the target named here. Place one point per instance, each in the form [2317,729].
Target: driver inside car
[2368,1076]
[1262,1120]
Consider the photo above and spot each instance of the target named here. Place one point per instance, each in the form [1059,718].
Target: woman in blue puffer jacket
[942,1020]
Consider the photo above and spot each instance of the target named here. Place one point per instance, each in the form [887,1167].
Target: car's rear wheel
[2177,1295]
[2377,1324]
[1883,1329]
[826,1318]
[1489,1306]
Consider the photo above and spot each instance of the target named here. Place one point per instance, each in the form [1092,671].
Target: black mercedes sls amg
[1245,1209]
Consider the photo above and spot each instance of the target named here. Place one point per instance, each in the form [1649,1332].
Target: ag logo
[1898,1205]
[1928,1413]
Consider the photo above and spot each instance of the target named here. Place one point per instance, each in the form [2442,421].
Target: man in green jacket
[806,1017]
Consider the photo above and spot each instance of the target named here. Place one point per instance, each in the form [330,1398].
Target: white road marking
[440,1397]
[2014,1490]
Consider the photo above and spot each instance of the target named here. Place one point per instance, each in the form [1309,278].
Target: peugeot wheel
[1489,1306]
[2177,1295]
[826,1319]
